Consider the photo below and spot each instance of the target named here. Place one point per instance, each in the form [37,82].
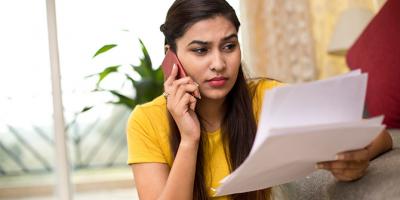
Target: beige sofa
[382,181]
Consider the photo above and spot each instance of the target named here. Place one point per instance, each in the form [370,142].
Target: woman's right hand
[181,104]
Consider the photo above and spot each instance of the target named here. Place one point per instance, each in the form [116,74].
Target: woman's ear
[166,48]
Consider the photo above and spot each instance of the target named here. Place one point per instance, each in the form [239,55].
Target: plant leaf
[159,76]
[87,108]
[106,72]
[131,80]
[123,99]
[142,70]
[91,75]
[103,49]
[146,60]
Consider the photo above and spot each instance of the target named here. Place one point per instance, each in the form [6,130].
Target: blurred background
[110,52]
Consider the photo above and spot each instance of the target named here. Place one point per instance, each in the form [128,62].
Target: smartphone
[169,61]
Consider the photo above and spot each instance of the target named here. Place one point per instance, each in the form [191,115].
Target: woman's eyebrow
[233,35]
[198,42]
[205,43]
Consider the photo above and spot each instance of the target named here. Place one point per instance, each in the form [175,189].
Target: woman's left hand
[348,166]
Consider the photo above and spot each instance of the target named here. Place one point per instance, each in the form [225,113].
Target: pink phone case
[169,60]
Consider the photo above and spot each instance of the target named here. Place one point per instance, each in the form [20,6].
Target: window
[96,140]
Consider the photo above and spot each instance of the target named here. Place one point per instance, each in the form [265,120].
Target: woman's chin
[215,95]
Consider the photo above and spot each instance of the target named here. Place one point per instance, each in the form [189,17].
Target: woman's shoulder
[147,133]
[261,84]
[257,88]
[153,111]
[154,105]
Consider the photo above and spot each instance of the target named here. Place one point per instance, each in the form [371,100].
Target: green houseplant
[146,82]
[149,86]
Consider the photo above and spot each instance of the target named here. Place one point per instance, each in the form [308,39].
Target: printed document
[301,125]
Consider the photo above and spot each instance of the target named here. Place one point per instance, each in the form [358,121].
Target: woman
[183,143]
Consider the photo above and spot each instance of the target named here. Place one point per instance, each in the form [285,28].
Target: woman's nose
[218,63]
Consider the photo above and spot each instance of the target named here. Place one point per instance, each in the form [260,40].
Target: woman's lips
[217,81]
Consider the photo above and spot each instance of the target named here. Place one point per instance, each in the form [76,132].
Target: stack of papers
[301,125]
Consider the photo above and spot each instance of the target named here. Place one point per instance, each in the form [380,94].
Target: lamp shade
[347,29]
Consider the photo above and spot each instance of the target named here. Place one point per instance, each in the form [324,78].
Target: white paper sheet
[301,125]
[336,99]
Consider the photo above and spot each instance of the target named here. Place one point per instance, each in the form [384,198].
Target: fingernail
[197,85]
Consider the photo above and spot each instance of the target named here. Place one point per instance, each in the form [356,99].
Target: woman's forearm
[180,183]
[381,144]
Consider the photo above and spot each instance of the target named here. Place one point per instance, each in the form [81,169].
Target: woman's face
[210,53]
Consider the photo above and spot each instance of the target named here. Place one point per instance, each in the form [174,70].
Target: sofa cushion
[377,51]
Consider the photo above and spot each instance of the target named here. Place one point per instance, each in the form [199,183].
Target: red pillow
[377,51]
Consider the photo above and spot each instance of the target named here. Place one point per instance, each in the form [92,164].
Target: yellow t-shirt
[148,136]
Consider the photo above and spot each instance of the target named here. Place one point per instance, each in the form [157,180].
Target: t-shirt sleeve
[267,85]
[260,89]
[143,142]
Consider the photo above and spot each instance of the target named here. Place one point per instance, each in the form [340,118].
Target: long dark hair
[238,127]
